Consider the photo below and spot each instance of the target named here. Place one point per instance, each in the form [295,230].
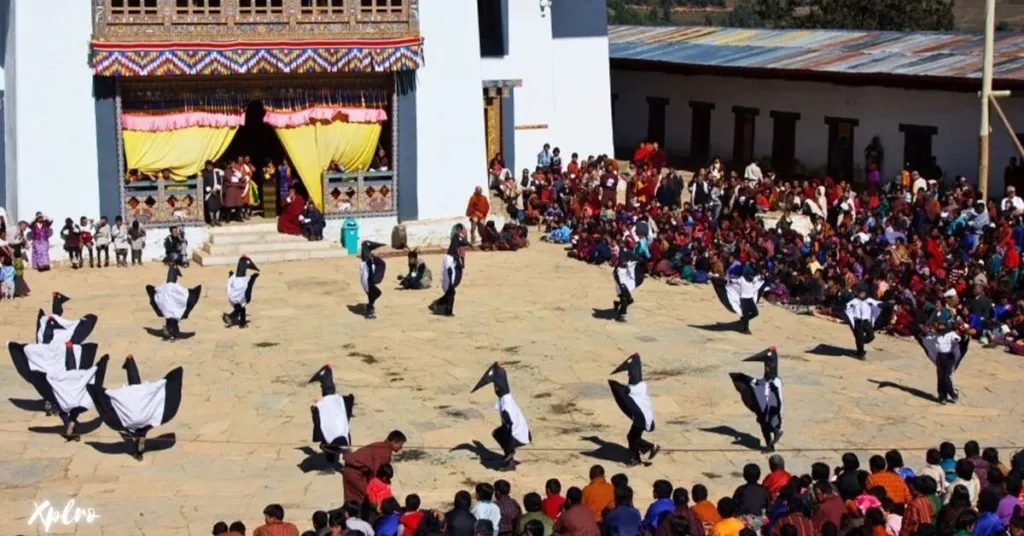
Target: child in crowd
[72,236]
[7,278]
[379,487]
[103,237]
[412,515]
[86,239]
[119,235]
[137,237]
[21,289]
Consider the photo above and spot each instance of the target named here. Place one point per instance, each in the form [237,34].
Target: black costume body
[452,267]
[629,274]
[76,331]
[865,315]
[946,350]
[763,396]
[635,403]
[371,274]
[240,285]
[173,302]
[740,296]
[65,390]
[135,409]
[514,431]
[332,416]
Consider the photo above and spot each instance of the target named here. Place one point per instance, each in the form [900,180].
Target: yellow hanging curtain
[312,147]
[183,151]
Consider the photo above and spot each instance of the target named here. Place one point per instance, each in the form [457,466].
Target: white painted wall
[449,109]
[54,114]
[880,111]
[10,128]
[577,115]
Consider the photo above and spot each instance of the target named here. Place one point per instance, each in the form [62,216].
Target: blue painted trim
[505,23]
[408,166]
[107,168]
[508,131]
[3,154]
[578,18]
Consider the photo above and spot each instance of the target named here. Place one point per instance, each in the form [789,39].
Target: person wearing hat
[240,292]
[946,349]
[865,315]
[371,273]
[763,396]
[514,431]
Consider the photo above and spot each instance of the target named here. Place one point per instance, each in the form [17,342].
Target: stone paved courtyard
[243,431]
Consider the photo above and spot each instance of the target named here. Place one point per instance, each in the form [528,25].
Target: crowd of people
[933,249]
[974,494]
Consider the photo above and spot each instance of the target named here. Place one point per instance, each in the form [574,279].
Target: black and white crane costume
[331,416]
[763,396]
[240,285]
[514,431]
[76,331]
[629,274]
[452,267]
[740,295]
[635,403]
[946,349]
[50,358]
[865,315]
[173,302]
[371,273]
[66,390]
[135,409]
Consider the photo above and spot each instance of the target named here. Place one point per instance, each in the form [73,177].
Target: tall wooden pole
[986,90]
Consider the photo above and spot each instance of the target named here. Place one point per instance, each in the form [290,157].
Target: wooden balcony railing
[200,20]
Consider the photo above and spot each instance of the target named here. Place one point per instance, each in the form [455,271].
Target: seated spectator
[459,520]
[387,524]
[553,501]
[576,519]
[312,223]
[274,523]
[534,514]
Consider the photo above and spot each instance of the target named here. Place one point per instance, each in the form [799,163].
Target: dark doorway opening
[743,136]
[917,147]
[700,133]
[840,147]
[656,120]
[258,141]
[784,141]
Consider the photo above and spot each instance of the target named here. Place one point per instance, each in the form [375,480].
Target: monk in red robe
[288,221]
[361,465]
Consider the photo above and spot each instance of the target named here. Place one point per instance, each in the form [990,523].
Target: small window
[491,25]
[257,8]
[322,7]
[126,8]
[185,8]
[381,7]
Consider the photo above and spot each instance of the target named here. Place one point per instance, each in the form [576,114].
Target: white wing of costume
[626,276]
[520,428]
[448,264]
[69,388]
[639,395]
[139,405]
[364,275]
[49,358]
[172,299]
[333,417]
[236,290]
[60,336]
[867,309]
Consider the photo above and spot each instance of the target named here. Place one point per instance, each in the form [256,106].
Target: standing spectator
[119,236]
[85,240]
[895,488]
[777,476]
[7,277]
[137,237]
[534,513]
[662,505]
[274,523]
[72,236]
[485,507]
[556,161]
[103,237]
[730,525]
[598,495]
[751,498]
[477,210]
[544,157]
[508,508]
[623,520]
[40,232]
[752,174]
[576,520]
[553,501]
[21,288]
[379,487]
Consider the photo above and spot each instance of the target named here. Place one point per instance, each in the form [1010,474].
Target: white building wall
[582,96]
[879,110]
[54,157]
[451,150]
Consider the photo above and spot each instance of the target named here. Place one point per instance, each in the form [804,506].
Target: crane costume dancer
[740,295]
[635,403]
[66,391]
[514,431]
[173,302]
[763,396]
[135,409]
[240,286]
[452,266]
[865,315]
[629,274]
[946,349]
[331,416]
[371,273]
[50,358]
[76,331]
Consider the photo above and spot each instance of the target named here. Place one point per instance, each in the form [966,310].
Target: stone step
[252,226]
[253,237]
[238,248]
[205,258]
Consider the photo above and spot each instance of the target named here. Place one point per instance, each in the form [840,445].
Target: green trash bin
[350,235]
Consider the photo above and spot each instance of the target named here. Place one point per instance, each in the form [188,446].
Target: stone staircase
[263,244]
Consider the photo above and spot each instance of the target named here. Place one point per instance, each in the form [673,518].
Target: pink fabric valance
[165,122]
[288,119]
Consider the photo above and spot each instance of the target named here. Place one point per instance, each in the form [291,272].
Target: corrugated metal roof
[940,54]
